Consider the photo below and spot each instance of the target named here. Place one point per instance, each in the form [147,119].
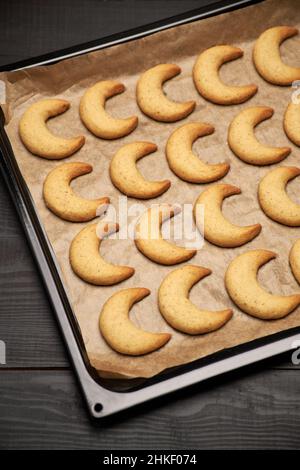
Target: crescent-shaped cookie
[119,331]
[243,288]
[36,136]
[294,259]
[94,116]
[179,311]
[152,100]
[267,59]
[87,262]
[184,163]
[244,144]
[127,178]
[273,198]
[217,229]
[291,123]
[207,80]
[149,240]
[60,198]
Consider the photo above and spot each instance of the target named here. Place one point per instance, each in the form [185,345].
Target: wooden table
[40,403]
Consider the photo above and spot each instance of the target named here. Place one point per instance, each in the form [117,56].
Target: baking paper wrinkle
[69,79]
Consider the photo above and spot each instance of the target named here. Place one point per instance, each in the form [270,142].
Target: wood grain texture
[50,26]
[257,410]
[27,323]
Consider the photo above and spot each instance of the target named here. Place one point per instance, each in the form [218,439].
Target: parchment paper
[69,79]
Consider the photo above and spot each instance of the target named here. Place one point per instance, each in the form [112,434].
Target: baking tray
[105,396]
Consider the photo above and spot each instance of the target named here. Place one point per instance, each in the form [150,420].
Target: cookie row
[182,315]
[89,265]
[188,166]
[274,201]
[182,161]
[151,98]
[87,262]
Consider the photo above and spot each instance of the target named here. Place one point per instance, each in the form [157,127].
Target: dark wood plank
[27,323]
[48,26]
[246,410]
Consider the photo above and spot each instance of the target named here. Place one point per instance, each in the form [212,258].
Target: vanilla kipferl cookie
[273,198]
[94,116]
[86,260]
[184,163]
[120,332]
[149,240]
[179,311]
[60,198]
[244,144]
[36,136]
[294,259]
[126,177]
[291,123]
[243,288]
[217,229]
[152,100]
[267,58]
[207,80]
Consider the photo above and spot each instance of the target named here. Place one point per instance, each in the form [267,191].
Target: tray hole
[98,407]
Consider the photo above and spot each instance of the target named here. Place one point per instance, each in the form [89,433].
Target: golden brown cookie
[149,240]
[217,229]
[94,116]
[291,123]
[152,100]
[207,80]
[179,311]
[273,198]
[184,163]
[267,59]
[60,198]
[244,144]
[127,178]
[242,286]
[36,136]
[87,262]
[120,332]
[295,260]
